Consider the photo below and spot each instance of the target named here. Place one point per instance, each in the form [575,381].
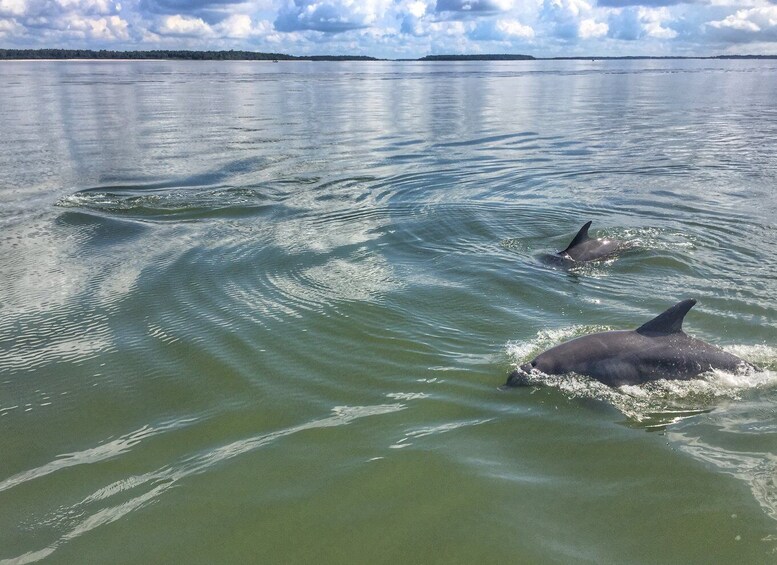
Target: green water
[260,313]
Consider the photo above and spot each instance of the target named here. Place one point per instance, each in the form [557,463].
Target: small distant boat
[275,60]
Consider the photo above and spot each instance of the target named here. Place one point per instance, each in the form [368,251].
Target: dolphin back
[668,322]
[581,236]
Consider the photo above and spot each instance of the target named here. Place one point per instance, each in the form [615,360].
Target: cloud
[633,23]
[109,28]
[642,3]
[88,6]
[495,29]
[591,28]
[449,28]
[470,6]
[745,26]
[398,28]
[9,28]
[653,23]
[571,19]
[236,25]
[416,9]
[412,25]
[51,22]
[514,28]
[11,8]
[625,25]
[332,16]
[242,26]
[52,9]
[184,26]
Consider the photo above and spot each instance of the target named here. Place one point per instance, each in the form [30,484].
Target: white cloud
[571,19]
[241,26]
[13,7]
[514,28]
[753,24]
[184,26]
[86,6]
[43,12]
[398,28]
[452,28]
[236,25]
[574,8]
[591,28]
[330,16]
[640,23]
[740,3]
[754,19]
[653,20]
[108,28]
[10,28]
[473,5]
[416,9]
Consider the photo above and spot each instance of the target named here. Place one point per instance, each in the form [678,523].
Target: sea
[257,312]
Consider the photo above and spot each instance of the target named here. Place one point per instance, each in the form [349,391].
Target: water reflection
[264,242]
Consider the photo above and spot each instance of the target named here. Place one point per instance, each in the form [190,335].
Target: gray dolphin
[658,349]
[586,248]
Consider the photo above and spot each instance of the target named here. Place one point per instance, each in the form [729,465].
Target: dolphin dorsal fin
[581,236]
[669,322]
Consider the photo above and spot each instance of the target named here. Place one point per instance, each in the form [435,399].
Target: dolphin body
[584,248]
[658,349]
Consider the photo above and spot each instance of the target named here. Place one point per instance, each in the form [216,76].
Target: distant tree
[169,54]
[503,57]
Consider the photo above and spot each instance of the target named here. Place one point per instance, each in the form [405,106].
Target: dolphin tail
[668,322]
[581,236]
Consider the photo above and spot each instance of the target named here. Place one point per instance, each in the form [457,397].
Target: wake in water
[176,203]
[655,404]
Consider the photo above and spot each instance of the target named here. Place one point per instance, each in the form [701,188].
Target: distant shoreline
[165,55]
[184,55]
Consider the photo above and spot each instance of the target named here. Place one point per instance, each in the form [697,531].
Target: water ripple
[102,452]
[264,242]
[173,204]
[159,481]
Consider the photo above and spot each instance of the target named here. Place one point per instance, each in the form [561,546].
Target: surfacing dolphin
[658,349]
[584,248]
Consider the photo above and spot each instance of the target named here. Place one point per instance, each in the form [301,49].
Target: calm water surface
[256,312]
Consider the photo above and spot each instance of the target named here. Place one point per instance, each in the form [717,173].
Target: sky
[398,28]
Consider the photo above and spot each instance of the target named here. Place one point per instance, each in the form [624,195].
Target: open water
[257,312]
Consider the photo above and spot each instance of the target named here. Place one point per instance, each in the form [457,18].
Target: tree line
[254,56]
[170,54]
[502,57]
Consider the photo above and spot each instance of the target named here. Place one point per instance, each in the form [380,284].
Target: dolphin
[586,248]
[658,349]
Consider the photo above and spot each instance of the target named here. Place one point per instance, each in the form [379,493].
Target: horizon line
[233,54]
